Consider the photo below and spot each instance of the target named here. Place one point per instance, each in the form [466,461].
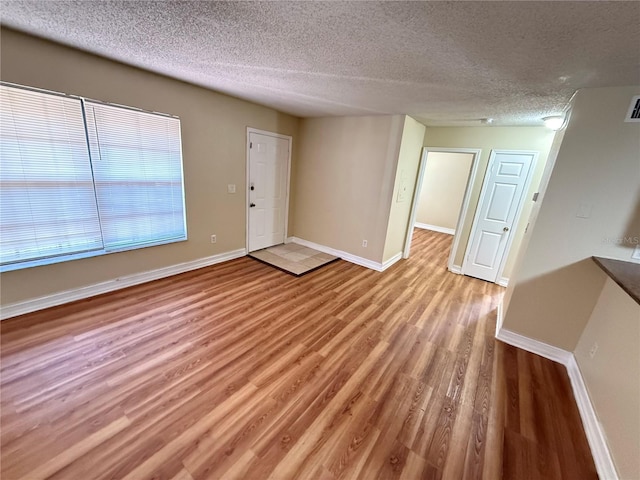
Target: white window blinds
[82,177]
[47,201]
[137,166]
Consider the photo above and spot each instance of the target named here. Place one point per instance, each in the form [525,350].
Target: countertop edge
[614,269]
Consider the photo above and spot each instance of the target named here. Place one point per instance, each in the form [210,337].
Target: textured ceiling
[441,62]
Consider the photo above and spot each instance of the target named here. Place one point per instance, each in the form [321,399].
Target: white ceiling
[441,62]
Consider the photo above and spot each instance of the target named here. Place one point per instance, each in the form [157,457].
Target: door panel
[510,169]
[488,247]
[505,184]
[500,202]
[268,162]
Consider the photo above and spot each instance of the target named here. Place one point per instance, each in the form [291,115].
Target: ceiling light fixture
[555,122]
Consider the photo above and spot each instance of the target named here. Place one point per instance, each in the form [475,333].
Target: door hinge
[250,144]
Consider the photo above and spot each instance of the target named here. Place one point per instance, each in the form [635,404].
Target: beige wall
[535,210]
[598,165]
[445,179]
[344,181]
[488,138]
[213,140]
[404,187]
[612,376]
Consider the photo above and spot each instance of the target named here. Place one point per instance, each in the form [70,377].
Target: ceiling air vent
[633,115]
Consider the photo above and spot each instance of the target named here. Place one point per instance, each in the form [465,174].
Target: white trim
[396,258]
[466,200]
[435,228]
[28,306]
[457,269]
[593,428]
[534,346]
[363,262]
[289,138]
[516,218]
[503,281]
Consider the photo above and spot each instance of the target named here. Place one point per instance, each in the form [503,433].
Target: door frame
[289,138]
[516,218]
[476,152]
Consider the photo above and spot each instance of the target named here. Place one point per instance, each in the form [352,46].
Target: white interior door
[268,171]
[507,179]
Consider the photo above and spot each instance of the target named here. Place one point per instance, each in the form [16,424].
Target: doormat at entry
[294,259]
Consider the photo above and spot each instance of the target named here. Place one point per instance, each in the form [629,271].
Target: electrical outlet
[213,239]
[594,349]
[364,243]
[231,188]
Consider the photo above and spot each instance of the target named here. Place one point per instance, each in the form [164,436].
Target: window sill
[78,256]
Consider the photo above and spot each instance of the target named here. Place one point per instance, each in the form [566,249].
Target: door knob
[505,229]
[252,205]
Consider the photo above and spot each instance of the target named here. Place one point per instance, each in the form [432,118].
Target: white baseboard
[363,262]
[396,258]
[435,228]
[457,269]
[503,281]
[28,306]
[592,427]
[534,346]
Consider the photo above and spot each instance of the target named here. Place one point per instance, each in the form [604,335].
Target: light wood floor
[242,371]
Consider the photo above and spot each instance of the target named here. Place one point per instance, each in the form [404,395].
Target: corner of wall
[388,186]
[404,176]
[556,283]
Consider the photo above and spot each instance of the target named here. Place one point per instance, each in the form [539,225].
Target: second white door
[506,182]
[268,167]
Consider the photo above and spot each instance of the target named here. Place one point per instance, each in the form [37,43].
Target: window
[137,169]
[81,178]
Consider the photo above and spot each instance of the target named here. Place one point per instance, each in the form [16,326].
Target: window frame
[19,265]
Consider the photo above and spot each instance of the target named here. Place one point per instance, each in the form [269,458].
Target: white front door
[268,167]
[505,183]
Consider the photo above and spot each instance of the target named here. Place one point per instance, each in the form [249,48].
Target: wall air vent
[633,115]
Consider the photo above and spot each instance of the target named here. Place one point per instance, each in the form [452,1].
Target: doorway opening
[436,207]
